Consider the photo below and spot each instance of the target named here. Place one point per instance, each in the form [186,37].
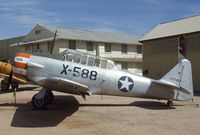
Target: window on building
[107,47]
[72,44]
[49,46]
[90,46]
[27,48]
[124,65]
[38,46]
[37,32]
[124,48]
[35,47]
[139,48]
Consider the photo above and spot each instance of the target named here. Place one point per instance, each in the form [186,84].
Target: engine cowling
[20,66]
[5,68]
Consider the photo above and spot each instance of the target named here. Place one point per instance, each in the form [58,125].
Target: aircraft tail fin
[180,76]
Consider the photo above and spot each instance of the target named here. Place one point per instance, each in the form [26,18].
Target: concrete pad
[70,114]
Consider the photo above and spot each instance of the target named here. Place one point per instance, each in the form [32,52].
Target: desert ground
[101,115]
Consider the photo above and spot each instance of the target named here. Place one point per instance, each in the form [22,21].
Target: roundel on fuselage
[125,83]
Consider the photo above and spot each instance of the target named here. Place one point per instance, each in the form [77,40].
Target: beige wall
[160,55]
[116,51]
[116,55]
[131,58]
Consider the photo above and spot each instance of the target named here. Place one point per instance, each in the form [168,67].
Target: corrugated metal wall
[160,55]
[7,52]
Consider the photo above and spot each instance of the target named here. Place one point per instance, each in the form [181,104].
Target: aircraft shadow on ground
[64,106]
[153,105]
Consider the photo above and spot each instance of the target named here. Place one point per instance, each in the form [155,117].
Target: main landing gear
[42,99]
[5,84]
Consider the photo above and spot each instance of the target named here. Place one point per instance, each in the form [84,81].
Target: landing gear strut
[170,103]
[42,99]
[14,85]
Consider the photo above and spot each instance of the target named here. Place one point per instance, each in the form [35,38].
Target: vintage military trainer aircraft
[85,74]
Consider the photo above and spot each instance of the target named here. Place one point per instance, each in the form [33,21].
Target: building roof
[92,35]
[174,28]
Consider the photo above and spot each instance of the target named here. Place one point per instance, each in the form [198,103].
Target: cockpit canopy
[87,59]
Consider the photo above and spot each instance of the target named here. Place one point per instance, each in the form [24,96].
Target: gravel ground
[71,115]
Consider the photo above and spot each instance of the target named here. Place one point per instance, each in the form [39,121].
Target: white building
[123,49]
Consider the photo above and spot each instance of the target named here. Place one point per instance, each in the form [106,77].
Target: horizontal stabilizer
[170,85]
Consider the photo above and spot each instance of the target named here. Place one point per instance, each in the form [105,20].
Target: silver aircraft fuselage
[99,80]
[85,74]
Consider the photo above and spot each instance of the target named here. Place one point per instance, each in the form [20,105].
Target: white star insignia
[125,84]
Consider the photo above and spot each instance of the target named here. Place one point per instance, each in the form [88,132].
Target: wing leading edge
[64,85]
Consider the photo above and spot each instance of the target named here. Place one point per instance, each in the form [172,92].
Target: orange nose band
[20,65]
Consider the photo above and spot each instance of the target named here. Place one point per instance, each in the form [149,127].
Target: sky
[135,17]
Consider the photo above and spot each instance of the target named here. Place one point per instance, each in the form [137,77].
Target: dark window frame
[124,48]
[90,46]
[35,47]
[108,47]
[49,46]
[28,47]
[38,46]
[139,49]
[72,44]
[38,32]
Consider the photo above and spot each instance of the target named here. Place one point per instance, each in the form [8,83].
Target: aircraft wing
[3,75]
[65,85]
[170,85]
[15,78]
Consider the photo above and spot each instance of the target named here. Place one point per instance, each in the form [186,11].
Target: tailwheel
[39,103]
[50,97]
[170,103]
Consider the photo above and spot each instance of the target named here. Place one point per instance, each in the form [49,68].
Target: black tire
[50,97]
[14,85]
[39,103]
[4,86]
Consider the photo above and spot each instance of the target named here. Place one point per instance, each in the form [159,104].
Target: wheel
[4,86]
[14,85]
[170,103]
[50,97]
[39,103]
